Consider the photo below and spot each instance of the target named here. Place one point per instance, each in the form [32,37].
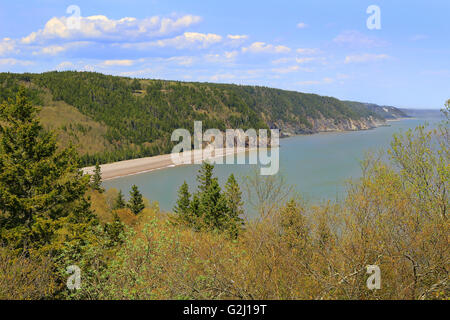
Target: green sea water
[317,165]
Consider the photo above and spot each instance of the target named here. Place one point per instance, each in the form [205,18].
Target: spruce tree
[119,202]
[204,176]
[41,187]
[212,207]
[183,205]
[233,196]
[96,183]
[136,202]
[114,230]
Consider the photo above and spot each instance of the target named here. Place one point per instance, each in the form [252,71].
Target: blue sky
[319,46]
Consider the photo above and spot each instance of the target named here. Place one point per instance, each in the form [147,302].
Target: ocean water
[318,166]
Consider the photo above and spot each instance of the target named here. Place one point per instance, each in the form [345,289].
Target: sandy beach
[142,165]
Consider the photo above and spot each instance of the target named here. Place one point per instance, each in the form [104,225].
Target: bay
[318,165]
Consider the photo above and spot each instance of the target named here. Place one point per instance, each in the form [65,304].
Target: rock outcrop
[327,125]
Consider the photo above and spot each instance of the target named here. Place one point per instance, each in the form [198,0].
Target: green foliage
[233,196]
[96,183]
[46,220]
[115,231]
[25,278]
[205,176]
[301,251]
[210,208]
[136,202]
[119,202]
[41,188]
[140,115]
[183,205]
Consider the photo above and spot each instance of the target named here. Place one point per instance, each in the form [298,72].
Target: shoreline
[130,167]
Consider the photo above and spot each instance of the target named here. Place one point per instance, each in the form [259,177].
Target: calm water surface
[317,165]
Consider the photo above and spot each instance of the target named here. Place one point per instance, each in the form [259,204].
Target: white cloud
[366,57]
[305,60]
[301,25]
[51,50]
[102,28]
[307,51]
[262,47]
[56,49]
[7,45]
[231,54]
[182,61]
[282,60]
[286,70]
[189,40]
[226,57]
[120,63]
[237,37]
[236,40]
[356,38]
[65,65]
[13,62]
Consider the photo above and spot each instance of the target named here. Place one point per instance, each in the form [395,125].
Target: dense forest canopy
[137,116]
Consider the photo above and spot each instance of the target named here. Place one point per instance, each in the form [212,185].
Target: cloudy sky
[319,46]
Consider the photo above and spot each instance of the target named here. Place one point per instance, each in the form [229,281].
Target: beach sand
[141,165]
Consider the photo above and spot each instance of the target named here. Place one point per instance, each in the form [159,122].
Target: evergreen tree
[204,176]
[136,202]
[213,207]
[96,183]
[119,202]
[182,207]
[41,188]
[210,209]
[233,196]
[136,85]
[115,230]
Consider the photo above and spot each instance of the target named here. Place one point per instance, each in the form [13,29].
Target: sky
[386,52]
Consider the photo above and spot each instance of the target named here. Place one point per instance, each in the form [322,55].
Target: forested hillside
[386,112]
[113,118]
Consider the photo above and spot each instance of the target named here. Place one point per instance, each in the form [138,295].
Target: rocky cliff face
[327,125]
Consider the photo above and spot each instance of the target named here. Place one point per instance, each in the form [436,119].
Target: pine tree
[182,207]
[119,202]
[96,183]
[41,188]
[136,202]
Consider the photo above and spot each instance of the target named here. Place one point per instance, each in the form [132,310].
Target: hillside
[385,112]
[113,118]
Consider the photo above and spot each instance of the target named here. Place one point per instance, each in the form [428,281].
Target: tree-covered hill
[114,118]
